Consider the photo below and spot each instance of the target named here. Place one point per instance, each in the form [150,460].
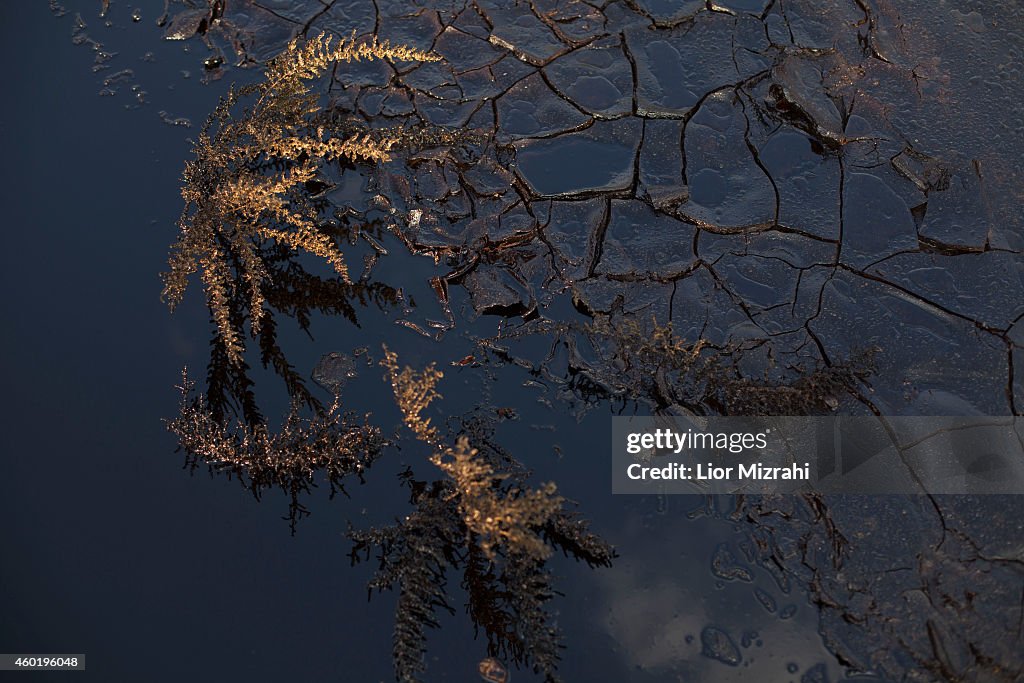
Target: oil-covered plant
[699,375]
[248,184]
[331,444]
[633,359]
[296,293]
[480,520]
[253,201]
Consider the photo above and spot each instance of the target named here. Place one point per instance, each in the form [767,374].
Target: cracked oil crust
[914,588]
[798,179]
[811,179]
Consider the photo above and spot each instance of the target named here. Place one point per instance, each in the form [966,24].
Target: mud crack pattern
[804,179]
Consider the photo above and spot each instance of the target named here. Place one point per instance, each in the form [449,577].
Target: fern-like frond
[365,147]
[332,443]
[498,531]
[535,627]
[414,391]
[506,520]
[308,60]
[236,194]
[414,556]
